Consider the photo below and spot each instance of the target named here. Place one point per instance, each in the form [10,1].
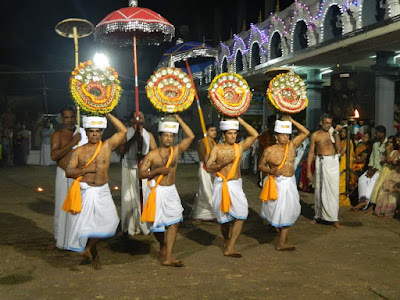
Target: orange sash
[226,198]
[149,211]
[73,201]
[269,191]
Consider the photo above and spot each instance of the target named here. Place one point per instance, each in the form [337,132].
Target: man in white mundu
[229,200]
[202,207]
[163,208]
[63,141]
[89,164]
[278,162]
[138,143]
[324,147]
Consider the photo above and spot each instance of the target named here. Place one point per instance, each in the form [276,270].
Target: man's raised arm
[185,143]
[253,134]
[119,137]
[304,132]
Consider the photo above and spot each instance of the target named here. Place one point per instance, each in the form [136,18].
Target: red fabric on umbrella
[149,26]
[134,25]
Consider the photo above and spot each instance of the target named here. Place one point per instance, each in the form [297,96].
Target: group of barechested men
[149,199]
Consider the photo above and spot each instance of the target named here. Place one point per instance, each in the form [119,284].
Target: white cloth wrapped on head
[168,126]
[283,127]
[229,125]
[94,122]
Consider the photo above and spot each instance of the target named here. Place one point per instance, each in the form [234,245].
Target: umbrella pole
[203,126]
[136,77]
[75,32]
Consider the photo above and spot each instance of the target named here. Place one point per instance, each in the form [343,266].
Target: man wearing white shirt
[137,144]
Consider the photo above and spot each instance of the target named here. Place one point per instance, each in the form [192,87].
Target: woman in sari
[389,193]
[361,154]
[343,198]
[386,169]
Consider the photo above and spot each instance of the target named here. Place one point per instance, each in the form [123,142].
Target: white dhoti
[326,194]
[98,218]
[366,186]
[168,208]
[239,208]
[130,202]
[62,221]
[202,207]
[45,158]
[285,210]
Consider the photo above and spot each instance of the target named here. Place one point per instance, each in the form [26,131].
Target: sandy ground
[359,262]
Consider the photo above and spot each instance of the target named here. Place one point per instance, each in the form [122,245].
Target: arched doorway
[239,61]
[224,65]
[300,39]
[373,11]
[276,45]
[255,55]
[333,24]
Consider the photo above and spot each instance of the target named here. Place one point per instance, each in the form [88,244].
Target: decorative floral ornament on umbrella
[230,94]
[96,90]
[287,93]
[170,90]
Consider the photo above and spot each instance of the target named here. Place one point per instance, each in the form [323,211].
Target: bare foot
[233,253]
[285,247]
[173,263]
[95,263]
[52,246]
[337,225]
[369,211]
[313,222]
[87,254]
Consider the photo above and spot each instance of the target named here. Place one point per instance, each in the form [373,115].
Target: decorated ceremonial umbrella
[201,53]
[230,94]
[134,25]
[74,28]
[287,93]
[95,88]
[170,90]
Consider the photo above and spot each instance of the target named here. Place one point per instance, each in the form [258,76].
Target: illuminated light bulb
[100,60]
[39,189]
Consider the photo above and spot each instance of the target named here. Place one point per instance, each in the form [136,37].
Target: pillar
[314,87]
[385,74]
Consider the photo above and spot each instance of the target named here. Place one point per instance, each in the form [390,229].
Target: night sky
[30,43]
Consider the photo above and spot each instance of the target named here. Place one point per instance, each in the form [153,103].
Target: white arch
[244,60]
[325,9]
[257,37]
[270,40]
[292,33]
[240,45]
[300,14]
[221,65]
[393,8]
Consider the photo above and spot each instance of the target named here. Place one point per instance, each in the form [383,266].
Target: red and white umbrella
[137,26]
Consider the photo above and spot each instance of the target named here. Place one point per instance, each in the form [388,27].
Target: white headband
[94,122]
[168,126]
[283,127]
[229,125]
